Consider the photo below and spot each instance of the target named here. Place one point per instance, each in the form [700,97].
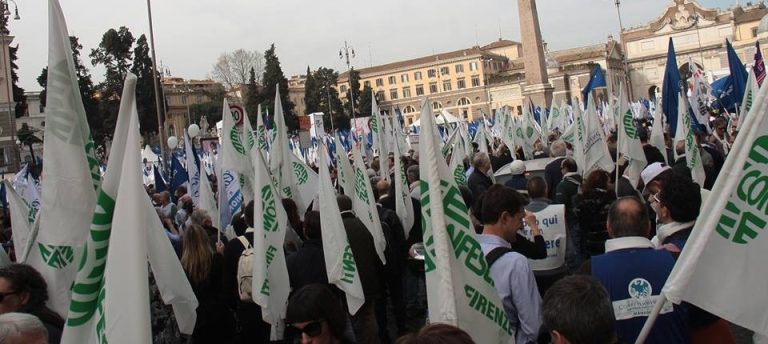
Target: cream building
[296,93]
[698,35]
[180,95]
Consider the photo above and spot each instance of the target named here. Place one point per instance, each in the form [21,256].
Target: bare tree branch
[232,69]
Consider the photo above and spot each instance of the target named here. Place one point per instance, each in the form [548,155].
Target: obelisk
[537,89]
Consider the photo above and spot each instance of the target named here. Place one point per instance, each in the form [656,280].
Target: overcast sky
[191,34]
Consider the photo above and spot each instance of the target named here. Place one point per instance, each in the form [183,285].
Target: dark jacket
[478,183]
[307,265]
[591,209]
[367,261]
[553,176]
[214,319]
[680,167]
[518,182]
[566,190]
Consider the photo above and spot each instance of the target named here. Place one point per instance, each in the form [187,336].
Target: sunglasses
[312,329]
[3,295]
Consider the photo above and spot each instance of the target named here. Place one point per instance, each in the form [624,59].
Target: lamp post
[155,83]
[5,17]
[624,51]
[345,52]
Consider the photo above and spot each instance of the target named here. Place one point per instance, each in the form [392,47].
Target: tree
[252,99]
[87,91]
[364,102]
[354,90]
[273,76]
[146,104]
[312,94]
[326,79]
[18,92]
[233,69]
[210,109]
[114,52]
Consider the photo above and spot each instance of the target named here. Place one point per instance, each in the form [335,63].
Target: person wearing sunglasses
[23,290]
[316,316]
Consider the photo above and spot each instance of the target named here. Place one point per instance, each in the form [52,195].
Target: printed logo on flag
[746,213]
[301,173]
[56,257]
[629,126]
[234,137]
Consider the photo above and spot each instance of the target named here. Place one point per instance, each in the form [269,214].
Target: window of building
[446,85]
[461,83]
[432,87]
[404,78]
[473,66]
[184,100]
[409,109]
[380,96]
[754,32]
[475,81]
[417,76]
[436,106]
[419,90]
[392,80]
[459,68]
[379,82]
[463,101]
[367,83]
[410,120]
[406,92]
[444,71]
[465,114]
[431,73]
[3,159]
[393,94]
[343,88]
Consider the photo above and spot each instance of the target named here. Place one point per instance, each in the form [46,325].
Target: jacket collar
[627,242]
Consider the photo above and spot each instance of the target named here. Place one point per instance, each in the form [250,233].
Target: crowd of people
[622,242]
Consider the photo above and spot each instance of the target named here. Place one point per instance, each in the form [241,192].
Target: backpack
[245,271]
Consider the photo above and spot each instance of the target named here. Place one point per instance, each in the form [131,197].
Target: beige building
[456,81]
[180,95]
[9,154]
[296,93]
[698,35]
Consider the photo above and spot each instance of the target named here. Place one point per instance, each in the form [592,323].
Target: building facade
[698,35]
[9,154]
[296,93]
[180,95]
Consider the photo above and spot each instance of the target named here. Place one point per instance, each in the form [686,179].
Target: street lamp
[345,52]
[624,51]
[6,15]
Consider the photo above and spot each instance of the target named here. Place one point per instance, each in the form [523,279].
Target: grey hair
[413,172]
[480,159]
[16,324]
[558,149]
[199,216]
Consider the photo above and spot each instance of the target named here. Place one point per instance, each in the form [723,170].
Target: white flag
[364,205]
[22,218]
[378,131]
[208,201]
[403,201]
[339,261]
[270,274]
[657,131]
[722,268]
[344,173]
[596,154]
[746,103]
[193,168]
[629,142]
[460,290]
[110,296]
[692,150]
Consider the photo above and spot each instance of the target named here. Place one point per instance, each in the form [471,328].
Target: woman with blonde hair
[203,267]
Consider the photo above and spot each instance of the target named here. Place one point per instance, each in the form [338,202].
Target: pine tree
[326,79]
[146,104]
[114,53]
[354,90]
[364,102]
[18,92]
[273,76]
[252,99]
[312,94]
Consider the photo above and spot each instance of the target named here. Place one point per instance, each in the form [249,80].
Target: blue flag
[670,89]
[160,185]
[179,174]
[722,90]
[738,73]
[3,196]
[596,80]
[759,66]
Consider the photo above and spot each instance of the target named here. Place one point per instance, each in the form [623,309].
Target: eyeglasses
[312,329]
[656,198]
[3,295]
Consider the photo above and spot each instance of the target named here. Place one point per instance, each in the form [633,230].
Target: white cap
[652,171]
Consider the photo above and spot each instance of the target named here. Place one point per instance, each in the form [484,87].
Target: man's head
[720,125]
[680,147]
[558,149]
[22,328]
[201,217]
[413,173]
[502,211]
[312,225]
[248,214]
[568,165]
[23,289]
[481,162]
[642,134]
[654,176]
[537,187]
[165,198]
[382,187]
[578,310]
[345,203]
[181,191]
[628,217]
[679,200]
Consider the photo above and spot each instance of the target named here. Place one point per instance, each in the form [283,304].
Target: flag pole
[651,319]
